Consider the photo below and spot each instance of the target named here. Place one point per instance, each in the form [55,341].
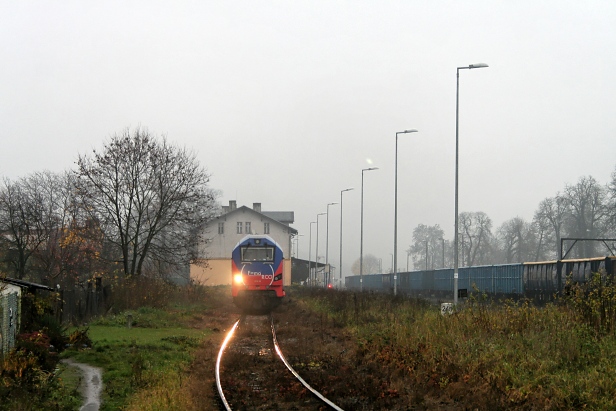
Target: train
[538,281]
[257,271]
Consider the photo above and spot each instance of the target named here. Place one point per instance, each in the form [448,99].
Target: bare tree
[150,197]
[586,216]
[475,238]
[370,265]
[428,247]
[22,224]
[71,242]
[517,240]
[550,220]
[611,206]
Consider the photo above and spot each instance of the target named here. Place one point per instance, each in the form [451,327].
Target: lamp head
[477,65]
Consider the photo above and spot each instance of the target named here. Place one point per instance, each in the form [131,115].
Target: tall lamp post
[361,235]
[327,246]
[408,254]
[455,240]
[395,269]
[443,254]
[297,245]
[310,253]
[316,270]
[340,266]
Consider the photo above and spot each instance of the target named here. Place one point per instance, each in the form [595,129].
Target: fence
[80,304]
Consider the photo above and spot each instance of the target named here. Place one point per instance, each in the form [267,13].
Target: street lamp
[443,255]
[361,235]
[455,240]
[327,245]
[316,270]
[297,245]
[395,269]
[310,253]
[408,254]
[340,267]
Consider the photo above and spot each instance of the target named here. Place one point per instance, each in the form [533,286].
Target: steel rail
[218,360]
[290,368]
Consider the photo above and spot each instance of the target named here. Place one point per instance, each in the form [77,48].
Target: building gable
[224,232]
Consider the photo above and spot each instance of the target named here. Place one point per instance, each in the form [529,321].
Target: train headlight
[237,279]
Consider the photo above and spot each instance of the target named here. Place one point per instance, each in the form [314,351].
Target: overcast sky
[285,102]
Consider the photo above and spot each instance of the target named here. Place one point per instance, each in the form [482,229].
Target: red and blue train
[257,269]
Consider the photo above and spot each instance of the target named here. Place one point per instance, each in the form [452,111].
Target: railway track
[253,374]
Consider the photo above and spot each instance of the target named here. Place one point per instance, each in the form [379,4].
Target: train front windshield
[260,254]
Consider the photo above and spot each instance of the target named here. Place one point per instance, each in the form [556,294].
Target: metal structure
[340,266]
[455,241]
[361,235]
[316,269]
[395,262]
[575,240]
[310,253]
[328,280]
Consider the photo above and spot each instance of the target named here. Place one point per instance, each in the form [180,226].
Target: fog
[286,102]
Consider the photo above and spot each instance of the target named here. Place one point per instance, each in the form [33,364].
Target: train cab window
[239,228]
[259,254]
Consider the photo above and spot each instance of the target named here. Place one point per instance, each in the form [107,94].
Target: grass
[136,358]
[486,356]
[497,356]
[143,366]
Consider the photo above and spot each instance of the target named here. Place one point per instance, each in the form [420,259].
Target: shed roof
[25,284]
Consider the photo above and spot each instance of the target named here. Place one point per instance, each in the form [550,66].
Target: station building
[225,231]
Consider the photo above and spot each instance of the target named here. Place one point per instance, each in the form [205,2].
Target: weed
[516,355]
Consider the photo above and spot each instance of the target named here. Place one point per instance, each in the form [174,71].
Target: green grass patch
[153,352]
[132,358]
[101,335]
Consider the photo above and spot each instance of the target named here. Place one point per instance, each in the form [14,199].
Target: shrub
[594,302]
[54,329]
[29,366]
[130,294]
[38,345]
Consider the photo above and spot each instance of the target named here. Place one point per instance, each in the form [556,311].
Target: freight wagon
[535,280]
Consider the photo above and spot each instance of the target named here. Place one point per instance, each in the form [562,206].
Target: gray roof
[279,217]
[285,217]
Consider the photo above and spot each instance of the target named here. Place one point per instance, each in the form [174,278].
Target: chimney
[256,207]
[232,205]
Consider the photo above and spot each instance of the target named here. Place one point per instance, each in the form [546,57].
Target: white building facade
[10,310]
[224,232]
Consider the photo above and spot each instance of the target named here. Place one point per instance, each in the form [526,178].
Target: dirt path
[91,385]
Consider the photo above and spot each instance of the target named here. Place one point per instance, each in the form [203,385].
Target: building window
[239,228]
[248,228]
[266,228]
[221,228]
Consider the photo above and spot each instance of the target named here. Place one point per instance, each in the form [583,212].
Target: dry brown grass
[373,352]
